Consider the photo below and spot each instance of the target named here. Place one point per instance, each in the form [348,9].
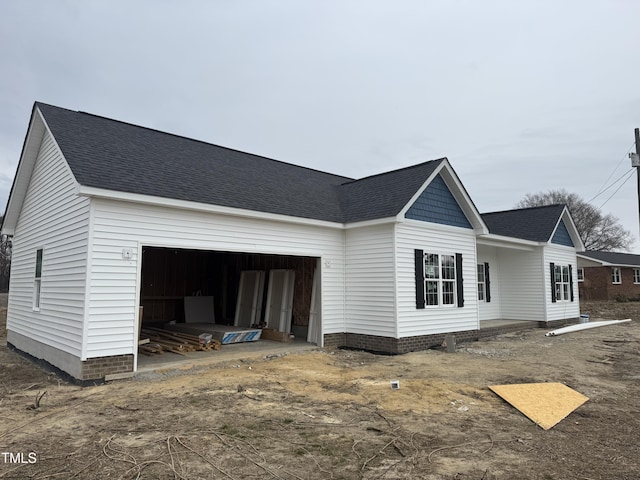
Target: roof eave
[494,240]
[604,263]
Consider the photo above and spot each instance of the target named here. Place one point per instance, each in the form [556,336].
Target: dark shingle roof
[118,156]
[379,196]
[535,224]
[613,258]
[114,155]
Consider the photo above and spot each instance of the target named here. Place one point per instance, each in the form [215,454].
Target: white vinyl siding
[119,225]
[522,280]
[411,235]
[560,310]
[370,290]
[491,310]
[55,219]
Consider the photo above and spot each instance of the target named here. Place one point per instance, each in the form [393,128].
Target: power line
[617,189]
[602,189]
[611,185]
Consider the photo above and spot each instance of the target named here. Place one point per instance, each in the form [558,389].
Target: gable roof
[535,224]
[611,258]
[116,156]
[379,196]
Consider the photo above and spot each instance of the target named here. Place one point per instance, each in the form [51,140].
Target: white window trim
[580,274]
[440,281]
[636,276]
[616,273]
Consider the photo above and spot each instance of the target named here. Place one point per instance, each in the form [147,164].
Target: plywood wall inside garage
[168,275]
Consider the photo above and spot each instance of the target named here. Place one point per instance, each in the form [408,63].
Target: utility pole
[635,162]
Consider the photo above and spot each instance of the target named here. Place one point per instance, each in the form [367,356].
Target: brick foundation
[377,344]
[98,368]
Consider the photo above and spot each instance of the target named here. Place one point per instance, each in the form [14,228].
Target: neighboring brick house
[608,275]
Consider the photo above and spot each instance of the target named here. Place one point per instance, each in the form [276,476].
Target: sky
[521,96]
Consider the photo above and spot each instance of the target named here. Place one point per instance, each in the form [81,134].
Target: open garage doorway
[236,293]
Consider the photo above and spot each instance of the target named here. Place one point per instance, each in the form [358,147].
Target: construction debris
[584,326]
[176,342]
[544,403]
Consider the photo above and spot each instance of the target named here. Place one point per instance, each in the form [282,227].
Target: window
[481,283]
[636,275]
[615,275]
[37,283]
[581,274]
[438,279]
[561,283]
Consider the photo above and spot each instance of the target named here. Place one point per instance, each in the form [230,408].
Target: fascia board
[369,223]
[493,240]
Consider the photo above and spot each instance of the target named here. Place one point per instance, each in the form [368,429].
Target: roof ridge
[175,135]
[355,180]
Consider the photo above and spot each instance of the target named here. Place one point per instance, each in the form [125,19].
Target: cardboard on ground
[544,403]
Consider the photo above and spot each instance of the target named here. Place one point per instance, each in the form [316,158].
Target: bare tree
[597,231]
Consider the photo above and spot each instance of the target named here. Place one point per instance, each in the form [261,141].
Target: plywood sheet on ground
[544,403]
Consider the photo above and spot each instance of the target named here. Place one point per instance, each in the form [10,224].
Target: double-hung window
[481,283]
[615,275]
[561,283]
[438,279]
[37,282]
[636,275]
[580,271]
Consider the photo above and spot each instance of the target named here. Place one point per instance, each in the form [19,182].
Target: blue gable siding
[562,237]
[437,205]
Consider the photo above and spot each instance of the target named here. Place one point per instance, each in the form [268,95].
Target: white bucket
[584,318]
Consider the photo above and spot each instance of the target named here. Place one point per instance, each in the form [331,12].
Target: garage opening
[198,300]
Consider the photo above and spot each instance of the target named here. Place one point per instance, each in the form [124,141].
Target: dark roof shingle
[613,258]
[535,224]
[114,155]
[379,196]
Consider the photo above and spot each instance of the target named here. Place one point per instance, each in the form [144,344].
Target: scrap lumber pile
[160,341]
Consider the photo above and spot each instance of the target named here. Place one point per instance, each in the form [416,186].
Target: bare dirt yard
[332,415]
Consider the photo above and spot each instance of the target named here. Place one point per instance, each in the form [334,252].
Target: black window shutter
[571,281]
[487,283]
[459,280]
[419,269]
[553,282]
